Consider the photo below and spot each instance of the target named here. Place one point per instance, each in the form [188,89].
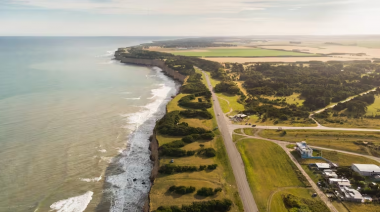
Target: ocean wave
[89,180]
[108,62]
[137,98]
[73,204]
[130,188]
[107,54]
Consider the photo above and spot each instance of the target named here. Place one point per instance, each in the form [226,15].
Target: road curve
[237,164]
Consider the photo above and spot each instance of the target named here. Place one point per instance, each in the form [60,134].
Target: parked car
[253,125]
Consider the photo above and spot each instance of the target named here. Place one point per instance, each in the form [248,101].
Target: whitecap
[136,98]
[73,204]
[102,150]
[89,180]
[130,188]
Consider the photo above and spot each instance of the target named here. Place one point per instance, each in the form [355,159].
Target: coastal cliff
[150,62]
[154,145]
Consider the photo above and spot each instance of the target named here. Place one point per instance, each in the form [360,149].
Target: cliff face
[153,147]
[151,62]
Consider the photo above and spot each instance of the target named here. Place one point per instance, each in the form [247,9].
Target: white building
[335,180]
[322,166]
[366,169]
[304,150]
[351,194]
[328,173]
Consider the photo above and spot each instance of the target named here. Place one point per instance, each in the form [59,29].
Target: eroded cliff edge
[154,145]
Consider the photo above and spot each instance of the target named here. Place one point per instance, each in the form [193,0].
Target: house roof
[323,165]
[367,167]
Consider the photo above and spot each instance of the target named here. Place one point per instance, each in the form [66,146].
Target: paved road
[232,127]
[283,144]
[237,164]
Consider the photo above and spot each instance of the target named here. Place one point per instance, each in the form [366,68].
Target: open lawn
[293,99]
[345,159]
[173,104]
[350,122]
[277,204]
[355,141]
[234,52]
[254,119]
[268,168]
[374,109]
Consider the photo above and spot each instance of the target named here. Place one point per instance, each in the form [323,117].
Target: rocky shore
[154,145]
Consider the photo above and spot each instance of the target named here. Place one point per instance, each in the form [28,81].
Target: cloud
[182,7]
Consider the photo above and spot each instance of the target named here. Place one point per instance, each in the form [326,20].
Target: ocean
[74,124]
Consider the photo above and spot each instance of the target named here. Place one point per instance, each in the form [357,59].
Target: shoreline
[153,145]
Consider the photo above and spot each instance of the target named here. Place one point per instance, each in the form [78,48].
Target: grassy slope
[268,168]
[221,177]
[239,53]
[341,140]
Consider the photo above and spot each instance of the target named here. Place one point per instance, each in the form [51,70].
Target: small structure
[328,173]
[335,180]
[240,115]
[366,169]
[351,194]
[304,150]
[323,166]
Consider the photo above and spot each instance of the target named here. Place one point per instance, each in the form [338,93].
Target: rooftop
[323,165]
[367,167]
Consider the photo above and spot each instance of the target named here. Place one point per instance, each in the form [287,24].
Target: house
[323,166]
[335,180]
[304,149]
[328,173]
[351,194]
[366,169]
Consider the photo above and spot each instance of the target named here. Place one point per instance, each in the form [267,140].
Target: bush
[212,167]
[204,206]
[208,191]
[182,189]
[196,113]
[208,152]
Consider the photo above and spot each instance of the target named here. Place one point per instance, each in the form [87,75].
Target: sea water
[75,124]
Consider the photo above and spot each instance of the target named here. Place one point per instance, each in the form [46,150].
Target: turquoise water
[66,111]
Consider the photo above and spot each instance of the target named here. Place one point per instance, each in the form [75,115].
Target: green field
[374,109]
[292,99]
[354,141]
[268,169]
[243,52]
[221,177]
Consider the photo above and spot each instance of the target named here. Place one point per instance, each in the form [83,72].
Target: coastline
[154,145]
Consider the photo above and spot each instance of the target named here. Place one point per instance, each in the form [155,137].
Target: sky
[188,17]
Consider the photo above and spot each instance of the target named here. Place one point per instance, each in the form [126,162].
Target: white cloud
[145,6]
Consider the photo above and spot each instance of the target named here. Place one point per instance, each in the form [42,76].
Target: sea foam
[130,188]
[73,204]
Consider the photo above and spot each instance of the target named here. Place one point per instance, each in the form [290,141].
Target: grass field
[254,119]
[374,109]
[268,169]
[340,140]
[350,122]
[277,203]
[293,99]
[221,177]
[243,52]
